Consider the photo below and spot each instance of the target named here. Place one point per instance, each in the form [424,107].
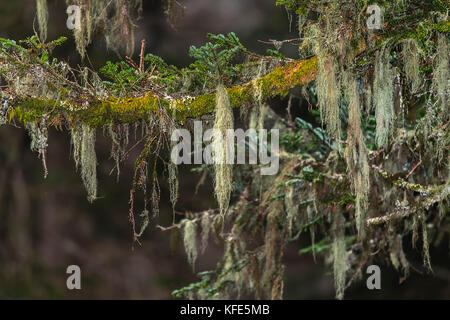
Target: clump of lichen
[356,153]
[411,60]
[223,170]
[383,97]
[441,74]
[328,93]
[83,144]
[39,141]
[339,252]
[190,240]
[119,135]
[42,17]
[114,17]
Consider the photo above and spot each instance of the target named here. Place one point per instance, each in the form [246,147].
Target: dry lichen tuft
[83,141]
[356,153]
[190,240]
[42,17]
[383,97]
[223,177]
[339,252]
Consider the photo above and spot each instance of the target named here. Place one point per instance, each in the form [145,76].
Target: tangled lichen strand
[207,226]
[88,161]
[274,242]
[356,153]
[411,60]
[441,75]
[291,205]
[42,18]
[396,253]
[328,93]
[39,141]
[425,242]
[190,240]
[115,17]
[339,253]
[172,168]
[223,171]
[76,135]
[258,111]
[431,130]
[383,97]
[119,142]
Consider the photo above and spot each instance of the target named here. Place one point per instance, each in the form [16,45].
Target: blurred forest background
[47,224]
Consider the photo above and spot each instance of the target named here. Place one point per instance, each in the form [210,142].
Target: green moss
[115,110]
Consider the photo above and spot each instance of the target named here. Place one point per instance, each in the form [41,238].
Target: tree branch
[120,110]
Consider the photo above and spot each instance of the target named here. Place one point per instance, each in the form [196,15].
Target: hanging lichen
[396,253]
[39,141]
[119,141]
[411,60]
[42,18]
[172,168]
[441,74]
[425,242]
[339,252]
[88,161]
[258,111]
[356,153]
[328,93]
[431,126]
[273,249]
[291,204]
[383,97]
[207,226]
[173,10]
[114,17]
[190,240]
[223,177]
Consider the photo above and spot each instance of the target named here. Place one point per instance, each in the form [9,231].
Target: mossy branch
[120,110]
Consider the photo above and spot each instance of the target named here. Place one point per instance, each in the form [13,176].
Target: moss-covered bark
[119,110]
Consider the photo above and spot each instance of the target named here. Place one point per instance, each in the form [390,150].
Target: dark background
[47,224]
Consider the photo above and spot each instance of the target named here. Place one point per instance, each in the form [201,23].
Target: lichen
[88,161]
[207,226]
[328,93]
[383,97]
[39,140]
[190,240]
[42,18]
[223,171]
[411,60]
[339,253]
[356,153]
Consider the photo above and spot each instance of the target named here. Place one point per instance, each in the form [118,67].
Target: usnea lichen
[328,93]
[339,253]
[356,154]
[223,171]
[39,141]
[85,158]
[190,240]
[383,97]
[411,60]
[42,17]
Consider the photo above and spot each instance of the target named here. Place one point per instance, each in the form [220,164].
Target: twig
[131,62]
[141,62]
[413,169]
